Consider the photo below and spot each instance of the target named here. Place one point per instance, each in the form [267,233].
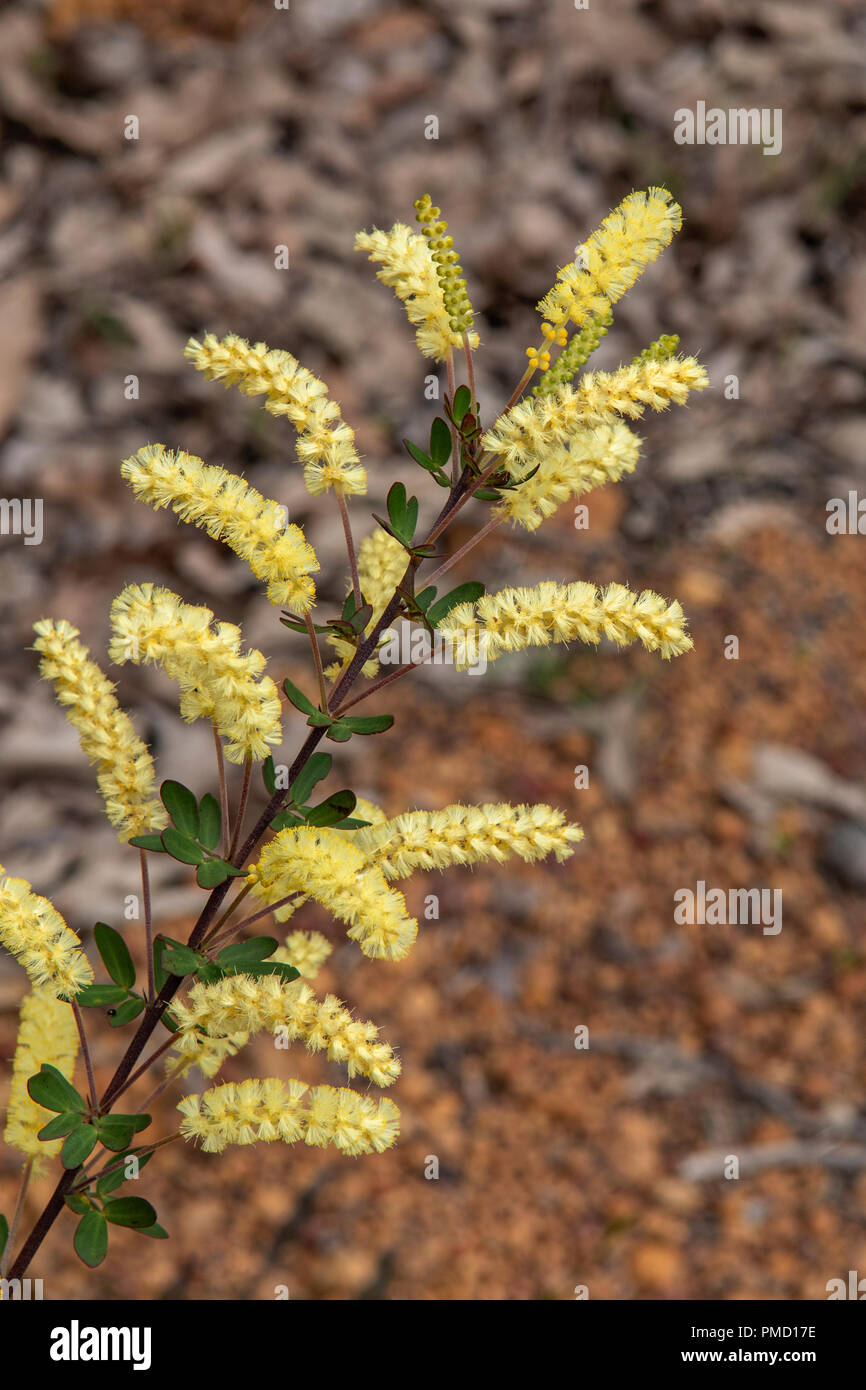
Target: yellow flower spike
[514,619]
[240,1004]
[36,934]
[325,448]
[272,1110]
[629,390]
[125,773]
[329,868]
[231,511]
[613,257]
[466,835]
[408,268]
[592,457]
[46,1033]
[151,625]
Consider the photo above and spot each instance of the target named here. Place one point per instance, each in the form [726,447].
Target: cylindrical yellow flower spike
[513,619]
[591,458]
[243,1004]
[467,835]
[217,681]
[268,1110]
[409,269]
[329,868]
[230,511]
[124,768]
[33,930]
[446,260]
[629,390]
[613,257]
[325,448]
[46,1033]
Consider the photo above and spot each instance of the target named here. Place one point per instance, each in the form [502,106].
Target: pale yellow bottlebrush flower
[231,511]
[244,1004]
[408,268]
[267,1110]
[125,773]
[629,390]
[152,625]
[467,835]
[326,444]
[513,619]
[328,867]
[612,258]
[592,457]
[307,951]
[46,1033]
[36,934]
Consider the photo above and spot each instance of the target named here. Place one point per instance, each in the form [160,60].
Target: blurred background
[261,127]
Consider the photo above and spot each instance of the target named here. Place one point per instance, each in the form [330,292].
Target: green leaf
[130,1211]
[159,974]
[50,1089]
[251,952]
[318,720]
[210,820]
[100,996]
[91,1238]
[151,842]
[299,699]
[269,774]
[180,847]
[442,480]
[4,1233]
[126,1013]
[440,442]
[339,733]
[368,723]
[313,772]
[180,960]
[115,955]
[337,805]
[418,454]
[425,597]
[156,1232]
[268,967]
[487,494]
[396,503]
[350,823]
[77,1203]
[209,973]
[211,874]
[79,1146]
[464,593]
[116,1131]
[285,820]
[182,806]
[462,402]
[110,1182]
[61,1125]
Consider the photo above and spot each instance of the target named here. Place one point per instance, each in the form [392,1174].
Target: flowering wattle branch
[221,986]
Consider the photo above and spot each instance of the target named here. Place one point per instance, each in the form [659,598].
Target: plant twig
[464,549]
[26,1173]
[470,368]
[379,685]
[148,921]
[214,941]
[242,806]
[85,1052]
[224,796]
[350,547]
[317,658]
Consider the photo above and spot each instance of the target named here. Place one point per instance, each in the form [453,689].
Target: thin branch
[224,796]
[464,549]
[455,438]
[148,921]
[145,1066]
[214,941]
[317,658]
[379,685]
[85,1052]
[242,806]
[119,1162]
[227,914]
[350,547]
[26,1173]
